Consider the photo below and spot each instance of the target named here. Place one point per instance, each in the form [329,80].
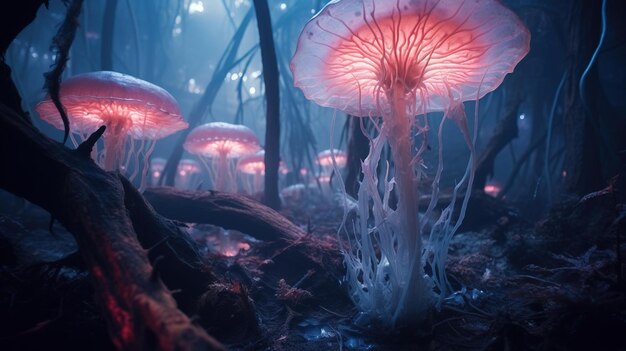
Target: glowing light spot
[193,87]
[283,6]
[176,31]
[564,173]
[157,174]
[522,116]
[492,189]
[252,90]
[232,249]
[234,76]
[196,7]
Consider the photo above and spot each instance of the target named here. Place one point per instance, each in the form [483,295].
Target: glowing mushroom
[254,166]
[221,142]
[135,112]
[398,59]
[157,165]
[188,174]
[325,159]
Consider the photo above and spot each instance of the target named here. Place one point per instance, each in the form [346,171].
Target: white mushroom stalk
[391,61]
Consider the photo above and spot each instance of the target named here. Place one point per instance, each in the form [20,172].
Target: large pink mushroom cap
[110,98]
[217,138]
[352,52]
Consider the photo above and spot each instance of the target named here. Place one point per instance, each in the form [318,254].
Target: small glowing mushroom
[188,174]
[131,109]
[221,142]
[398,59]
[254,166]
[492,189]
[325,159]
[157,165]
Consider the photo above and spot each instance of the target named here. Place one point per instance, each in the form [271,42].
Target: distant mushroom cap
[101,98]
[255,164]
[158,163]
[189,166]
[252,164]
[352,51]
[215,138]
[325,158]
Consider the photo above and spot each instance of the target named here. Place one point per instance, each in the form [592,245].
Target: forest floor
[557,284]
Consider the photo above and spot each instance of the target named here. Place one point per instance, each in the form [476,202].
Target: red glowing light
[492,189]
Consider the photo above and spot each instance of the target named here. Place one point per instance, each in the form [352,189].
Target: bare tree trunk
[593,131]
[505,131]
[270,79]
[108,30]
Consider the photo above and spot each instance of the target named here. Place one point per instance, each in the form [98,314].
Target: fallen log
[227,210]
[300,250]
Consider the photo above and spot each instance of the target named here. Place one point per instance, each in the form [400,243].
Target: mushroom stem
[258,177]
[222,171]
[113,142]
[398,127]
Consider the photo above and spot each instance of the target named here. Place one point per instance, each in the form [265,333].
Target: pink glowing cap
[189,166]
[255,164]
[252,164]
[354,51]
[217,138]
[324,158]
[100,98]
